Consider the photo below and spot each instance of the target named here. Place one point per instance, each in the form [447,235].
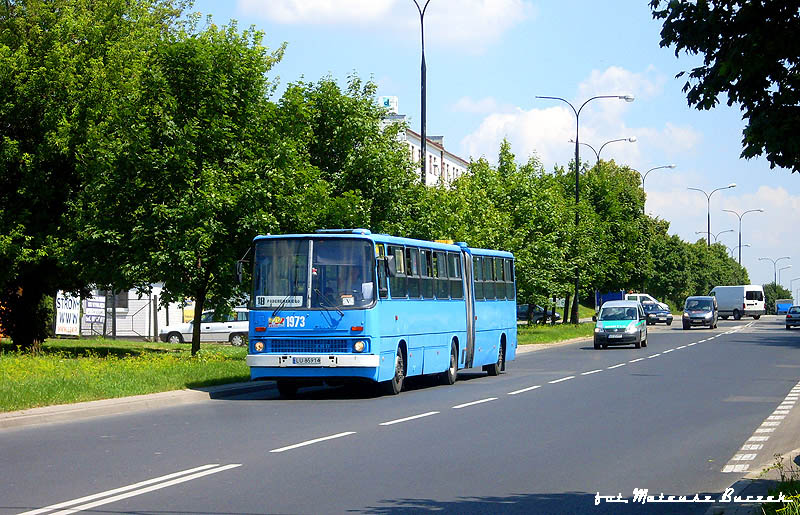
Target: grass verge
[67,371]
[537,334]
[789,487]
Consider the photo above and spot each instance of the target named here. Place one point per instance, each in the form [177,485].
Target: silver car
[793,317]
[231,327]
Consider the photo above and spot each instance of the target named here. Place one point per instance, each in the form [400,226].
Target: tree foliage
[751,55]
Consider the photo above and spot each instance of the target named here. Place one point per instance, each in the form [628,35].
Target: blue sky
[487,60]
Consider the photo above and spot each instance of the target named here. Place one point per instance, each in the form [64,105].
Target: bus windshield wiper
[324,300]
[286,298]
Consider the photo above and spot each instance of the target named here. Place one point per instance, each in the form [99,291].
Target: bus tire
[287,389]
[395,384]
[496,368]
[450,375]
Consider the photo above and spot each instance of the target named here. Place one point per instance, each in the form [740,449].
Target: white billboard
[68,314]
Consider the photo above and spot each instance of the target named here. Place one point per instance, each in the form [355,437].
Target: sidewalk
[84,410]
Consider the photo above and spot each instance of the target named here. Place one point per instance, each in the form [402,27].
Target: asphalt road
[560,427]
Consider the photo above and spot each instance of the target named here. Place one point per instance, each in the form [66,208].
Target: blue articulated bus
[343,305]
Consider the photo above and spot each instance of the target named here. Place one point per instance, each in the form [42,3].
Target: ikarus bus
[345,305]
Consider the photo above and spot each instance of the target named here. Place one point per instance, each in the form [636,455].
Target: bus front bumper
[313,360]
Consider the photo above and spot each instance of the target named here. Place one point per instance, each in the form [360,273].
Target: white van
[641,297]
[739,301]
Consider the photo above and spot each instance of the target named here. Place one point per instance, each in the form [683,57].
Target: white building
[137,316]
[440,164]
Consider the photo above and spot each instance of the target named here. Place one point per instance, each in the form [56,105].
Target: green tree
[187,187]
[750,54]
[63,65]
[773,292]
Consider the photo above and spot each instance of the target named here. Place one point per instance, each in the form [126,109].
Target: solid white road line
[475,402]
[118,490]
[316,440]
[617,366]
[145,490]
[524,390]
[562,379]
[591,372]
[428,414]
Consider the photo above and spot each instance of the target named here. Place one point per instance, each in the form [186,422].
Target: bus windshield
[338,275]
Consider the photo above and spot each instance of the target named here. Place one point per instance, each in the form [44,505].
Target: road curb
[104,407]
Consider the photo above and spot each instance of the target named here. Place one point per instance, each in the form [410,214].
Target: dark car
[535,315]
[700,311]
[656,313]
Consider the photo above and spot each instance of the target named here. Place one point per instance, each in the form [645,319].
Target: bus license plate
[615,336]
[312,360]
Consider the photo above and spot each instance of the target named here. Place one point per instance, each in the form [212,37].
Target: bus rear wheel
[449,376]
[496,368]
[395,385]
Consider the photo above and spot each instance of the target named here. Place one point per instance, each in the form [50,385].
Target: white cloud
[470,25]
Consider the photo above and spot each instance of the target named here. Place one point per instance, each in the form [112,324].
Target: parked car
[620,322]
[656,313]
[536,315]
[793,317]
[228,327]
[700,311]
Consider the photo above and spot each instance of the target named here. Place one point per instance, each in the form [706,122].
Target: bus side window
[488,278]
[398,284]
[412,263]
[426,267]
[442,284]
[454,273]
[383,288]
[500,287]
[509,277]
[477,271]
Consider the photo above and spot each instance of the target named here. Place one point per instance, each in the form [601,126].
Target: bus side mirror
[391,266]
[238,272]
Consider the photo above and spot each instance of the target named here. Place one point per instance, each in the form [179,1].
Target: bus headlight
[258,346]
[359,346]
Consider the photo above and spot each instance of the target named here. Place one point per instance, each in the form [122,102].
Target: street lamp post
[733,250]
[774,267]
[632,139]
[423,137]
[740,226]
[716,236]
[708,198]
[644,176]
[781,270]
[627,98]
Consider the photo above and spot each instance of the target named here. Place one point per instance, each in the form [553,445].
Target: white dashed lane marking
[414,417]
[311,442]
[561,380]
[524,390]
[474,403]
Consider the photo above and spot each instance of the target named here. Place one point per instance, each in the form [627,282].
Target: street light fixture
[423,137]
[740,226]
[627,98]
[716,236]
[708,198]
[774,266]
[632,139]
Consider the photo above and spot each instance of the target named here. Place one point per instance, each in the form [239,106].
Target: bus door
[469,299]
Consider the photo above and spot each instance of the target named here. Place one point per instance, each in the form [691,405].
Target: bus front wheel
[449,376]
[395,385]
